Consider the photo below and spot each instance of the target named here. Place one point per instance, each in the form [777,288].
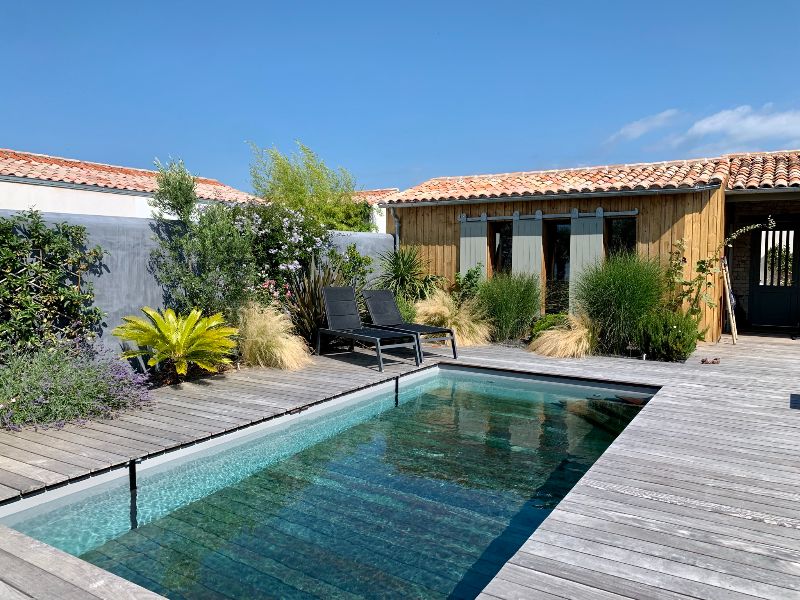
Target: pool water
[424,497]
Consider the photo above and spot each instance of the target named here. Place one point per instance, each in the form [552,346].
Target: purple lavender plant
[69,382]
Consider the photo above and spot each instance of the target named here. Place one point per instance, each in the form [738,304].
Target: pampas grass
[573,340]
[267,339]
[467,321]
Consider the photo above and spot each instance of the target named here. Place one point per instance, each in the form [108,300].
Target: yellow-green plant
[467,320]
[267,338]
[177,340]
[570,340]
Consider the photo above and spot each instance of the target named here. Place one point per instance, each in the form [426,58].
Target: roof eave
[646,192]
[99,188]
[786,189]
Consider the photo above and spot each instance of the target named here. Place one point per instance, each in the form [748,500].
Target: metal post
[134,510]
[396,391]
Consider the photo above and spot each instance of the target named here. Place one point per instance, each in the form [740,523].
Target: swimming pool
[423,493]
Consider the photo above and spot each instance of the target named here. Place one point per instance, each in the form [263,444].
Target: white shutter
[585,247]
[526,247]
[473,244]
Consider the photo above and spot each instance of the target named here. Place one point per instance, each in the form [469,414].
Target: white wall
[379,218]
[52,199]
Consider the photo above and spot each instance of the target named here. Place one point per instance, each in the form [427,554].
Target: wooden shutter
[526,247]
[473,244]
[585,247]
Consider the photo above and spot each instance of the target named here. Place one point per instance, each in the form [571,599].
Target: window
[556,257]
[777,258]
[501,235]
[620,235]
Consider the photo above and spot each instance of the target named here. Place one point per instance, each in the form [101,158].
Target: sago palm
[179,340]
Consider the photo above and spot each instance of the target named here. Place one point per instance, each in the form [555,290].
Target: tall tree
[302,181]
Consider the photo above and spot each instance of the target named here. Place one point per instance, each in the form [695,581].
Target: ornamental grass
[267,339]
[467,320]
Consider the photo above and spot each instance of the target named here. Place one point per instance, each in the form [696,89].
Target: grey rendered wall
[126,284]
[368,244]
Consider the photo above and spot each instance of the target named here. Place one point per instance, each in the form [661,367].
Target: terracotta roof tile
[614,178]
[374,196]
[66,170]
[765,170]
[759,170]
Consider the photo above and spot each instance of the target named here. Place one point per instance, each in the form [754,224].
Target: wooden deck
[696,498]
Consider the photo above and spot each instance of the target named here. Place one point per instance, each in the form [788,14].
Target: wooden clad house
[555,223]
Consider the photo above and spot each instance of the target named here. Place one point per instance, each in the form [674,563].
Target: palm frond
[179,340]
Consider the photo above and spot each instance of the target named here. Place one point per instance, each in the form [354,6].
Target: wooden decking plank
[219,422]
[72,570]
[41,456]
[29,471]
[176,426]
[65,449]
[672,484]
[37,582]
[634,567]
[638,505]
[686,565]
[508,590]
[231,410]
[99,440]
[11,593]
[769,568]
[564,588]
[536,565]
[694,528]
[159,437]
[769,490]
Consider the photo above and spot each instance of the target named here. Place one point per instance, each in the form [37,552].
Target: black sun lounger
[385,315]
[344,322]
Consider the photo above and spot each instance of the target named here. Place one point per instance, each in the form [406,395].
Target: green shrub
[68,381]
[43,293]
[176,342]
[406,274]
[352,265]
[466,286]
[408,310]
[511,303]
[216,257]
[545,322]
[204,258]
[617,294]
[668,335]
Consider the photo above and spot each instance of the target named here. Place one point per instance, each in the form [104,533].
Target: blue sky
[399,92]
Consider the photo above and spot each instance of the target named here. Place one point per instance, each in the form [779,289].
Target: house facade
[374,198]
[556,223]
[61,185]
